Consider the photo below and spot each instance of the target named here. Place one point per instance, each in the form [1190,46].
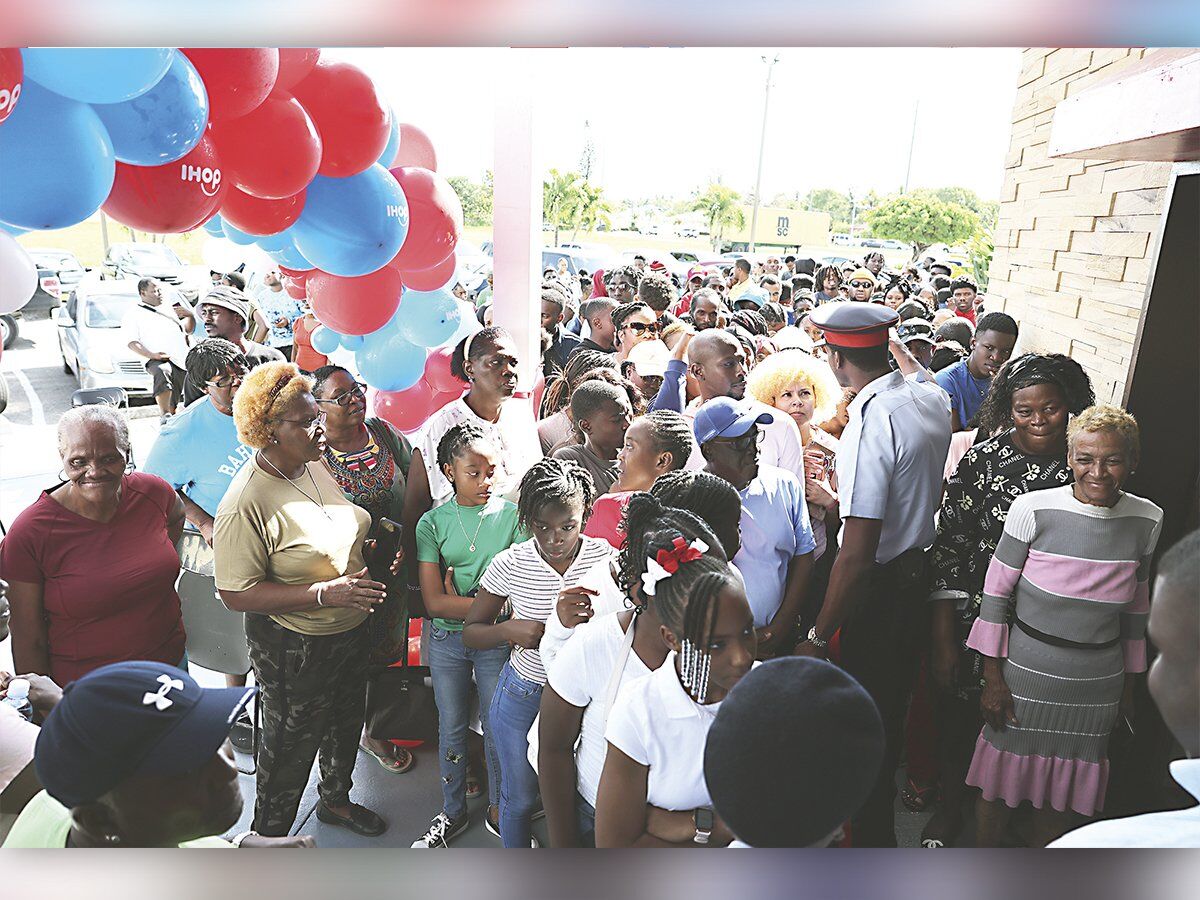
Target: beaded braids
[553,481]
[686,601]
[1028,370]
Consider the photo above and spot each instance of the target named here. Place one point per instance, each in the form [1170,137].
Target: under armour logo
[159,698]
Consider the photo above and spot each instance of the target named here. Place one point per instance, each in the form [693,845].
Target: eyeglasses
[861,284]
[239,375]
[643,327]
[345,398]
[309,425]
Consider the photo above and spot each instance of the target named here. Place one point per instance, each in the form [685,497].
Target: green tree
[980,250]
[589,208]
[827,200]
[922,220]
[476,198]
[966,198]
[560,195]
[720,206]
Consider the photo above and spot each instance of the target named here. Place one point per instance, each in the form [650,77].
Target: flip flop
[392,763]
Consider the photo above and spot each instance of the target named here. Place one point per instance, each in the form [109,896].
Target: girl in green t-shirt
[455,543]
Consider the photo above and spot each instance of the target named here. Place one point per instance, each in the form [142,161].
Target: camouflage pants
[312,691]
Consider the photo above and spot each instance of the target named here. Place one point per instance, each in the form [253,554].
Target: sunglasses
[861,284]
[643,327]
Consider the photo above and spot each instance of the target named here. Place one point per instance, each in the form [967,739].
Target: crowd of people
[751,541]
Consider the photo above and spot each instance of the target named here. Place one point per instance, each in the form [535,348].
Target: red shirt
[605,520]
[108,588]
[308,359]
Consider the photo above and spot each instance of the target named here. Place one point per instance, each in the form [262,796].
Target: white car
[89,337]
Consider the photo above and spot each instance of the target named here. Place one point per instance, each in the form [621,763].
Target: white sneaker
[442,830]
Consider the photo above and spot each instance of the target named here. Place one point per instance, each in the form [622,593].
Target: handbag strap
[614,680]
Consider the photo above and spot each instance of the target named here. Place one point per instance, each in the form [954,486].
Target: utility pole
[911,141]
[762,143]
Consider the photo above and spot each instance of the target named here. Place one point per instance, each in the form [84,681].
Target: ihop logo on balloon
[209,178]
[8,99]
[398,211]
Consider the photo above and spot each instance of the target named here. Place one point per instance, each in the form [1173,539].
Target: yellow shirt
[270,529]
[740,288]
[45,823]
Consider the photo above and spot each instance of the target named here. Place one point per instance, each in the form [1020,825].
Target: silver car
[89,337]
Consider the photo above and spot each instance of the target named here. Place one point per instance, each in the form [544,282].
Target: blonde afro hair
[265,393]
[1106,417]
[777,372]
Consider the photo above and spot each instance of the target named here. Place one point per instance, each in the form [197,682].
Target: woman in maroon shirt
[92,563]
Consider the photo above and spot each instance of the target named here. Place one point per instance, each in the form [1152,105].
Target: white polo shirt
[655,723]
[781,444]
[159,330]
[890,460]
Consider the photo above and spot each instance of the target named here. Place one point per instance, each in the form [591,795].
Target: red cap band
[874,337]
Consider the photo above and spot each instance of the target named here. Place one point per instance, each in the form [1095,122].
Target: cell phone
[387,542]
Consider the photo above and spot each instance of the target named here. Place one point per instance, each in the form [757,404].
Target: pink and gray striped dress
[1077,575]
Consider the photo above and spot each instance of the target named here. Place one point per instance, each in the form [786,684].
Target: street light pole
[762,143]
[911,141]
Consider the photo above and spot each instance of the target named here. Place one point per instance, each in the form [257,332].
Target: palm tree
[560,193]
[719,204]
[589,208]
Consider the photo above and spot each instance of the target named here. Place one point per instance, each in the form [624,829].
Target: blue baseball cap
[726,417]
[755,295]
[131,718]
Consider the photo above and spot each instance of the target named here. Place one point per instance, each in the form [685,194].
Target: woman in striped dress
[1071,576]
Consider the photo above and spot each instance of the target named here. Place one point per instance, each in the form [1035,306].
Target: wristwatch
[816,641]
[703,818]
[237,841]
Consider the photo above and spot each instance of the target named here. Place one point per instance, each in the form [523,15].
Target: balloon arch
[273,147]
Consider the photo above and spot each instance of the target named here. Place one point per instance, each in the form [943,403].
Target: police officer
[889,468]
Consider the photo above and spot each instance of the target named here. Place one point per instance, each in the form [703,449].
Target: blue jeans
[450,664]
[514,707]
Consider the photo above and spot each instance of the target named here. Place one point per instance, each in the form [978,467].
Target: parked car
[687,232]
[62,263]
[149,261]
[89,337]
[577,260]
[9,329]
[3,389]
[470,258]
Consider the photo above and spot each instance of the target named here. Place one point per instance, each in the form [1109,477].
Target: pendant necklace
[293,482]
[478,525]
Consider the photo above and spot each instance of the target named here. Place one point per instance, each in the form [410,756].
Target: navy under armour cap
[726,417]
[131,718]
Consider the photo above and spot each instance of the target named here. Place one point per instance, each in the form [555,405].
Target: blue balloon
[56,161]
[92,75]
[427,318]
[213,226]
[12,229]
[275,242]
[325,339]
[393,144]
[289,256]
[352,342]
[163,124]
[390,363]
[236,234]
[352,226]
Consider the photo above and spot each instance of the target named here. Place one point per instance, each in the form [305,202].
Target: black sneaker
[242,734]
[442,830]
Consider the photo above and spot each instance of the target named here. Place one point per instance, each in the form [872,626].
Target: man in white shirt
[155,332]
[718,364]
[1174,683]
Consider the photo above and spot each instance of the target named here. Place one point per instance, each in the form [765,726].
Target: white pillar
[517,211]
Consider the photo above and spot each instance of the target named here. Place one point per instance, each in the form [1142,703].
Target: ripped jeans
[451,665]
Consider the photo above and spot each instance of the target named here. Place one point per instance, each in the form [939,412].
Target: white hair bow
[666,563]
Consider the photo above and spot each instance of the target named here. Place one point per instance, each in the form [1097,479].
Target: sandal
[397,764]
[361,820]
[917,799]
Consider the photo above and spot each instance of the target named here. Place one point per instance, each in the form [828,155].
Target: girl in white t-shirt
[652,791]
[580,685]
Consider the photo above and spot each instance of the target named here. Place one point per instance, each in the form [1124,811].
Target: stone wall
[1074,237]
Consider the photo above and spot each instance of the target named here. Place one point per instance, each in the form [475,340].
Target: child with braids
[554,500]
[655,444]
[602,657]
[455,543]
[652,791]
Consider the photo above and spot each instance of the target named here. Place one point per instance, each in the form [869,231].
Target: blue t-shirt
[775,529]
[965,390]
[198,452]
[276,305]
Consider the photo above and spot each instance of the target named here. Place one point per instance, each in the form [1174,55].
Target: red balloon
[256,216]
[299,275]
[12,73]
[429,279]
[416,149]
[349,116]
[275,154]
[295,289]
[406,410]
[435,218]
[294,65]
[437,372]
[237,79]
[354,305]
[169,199]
